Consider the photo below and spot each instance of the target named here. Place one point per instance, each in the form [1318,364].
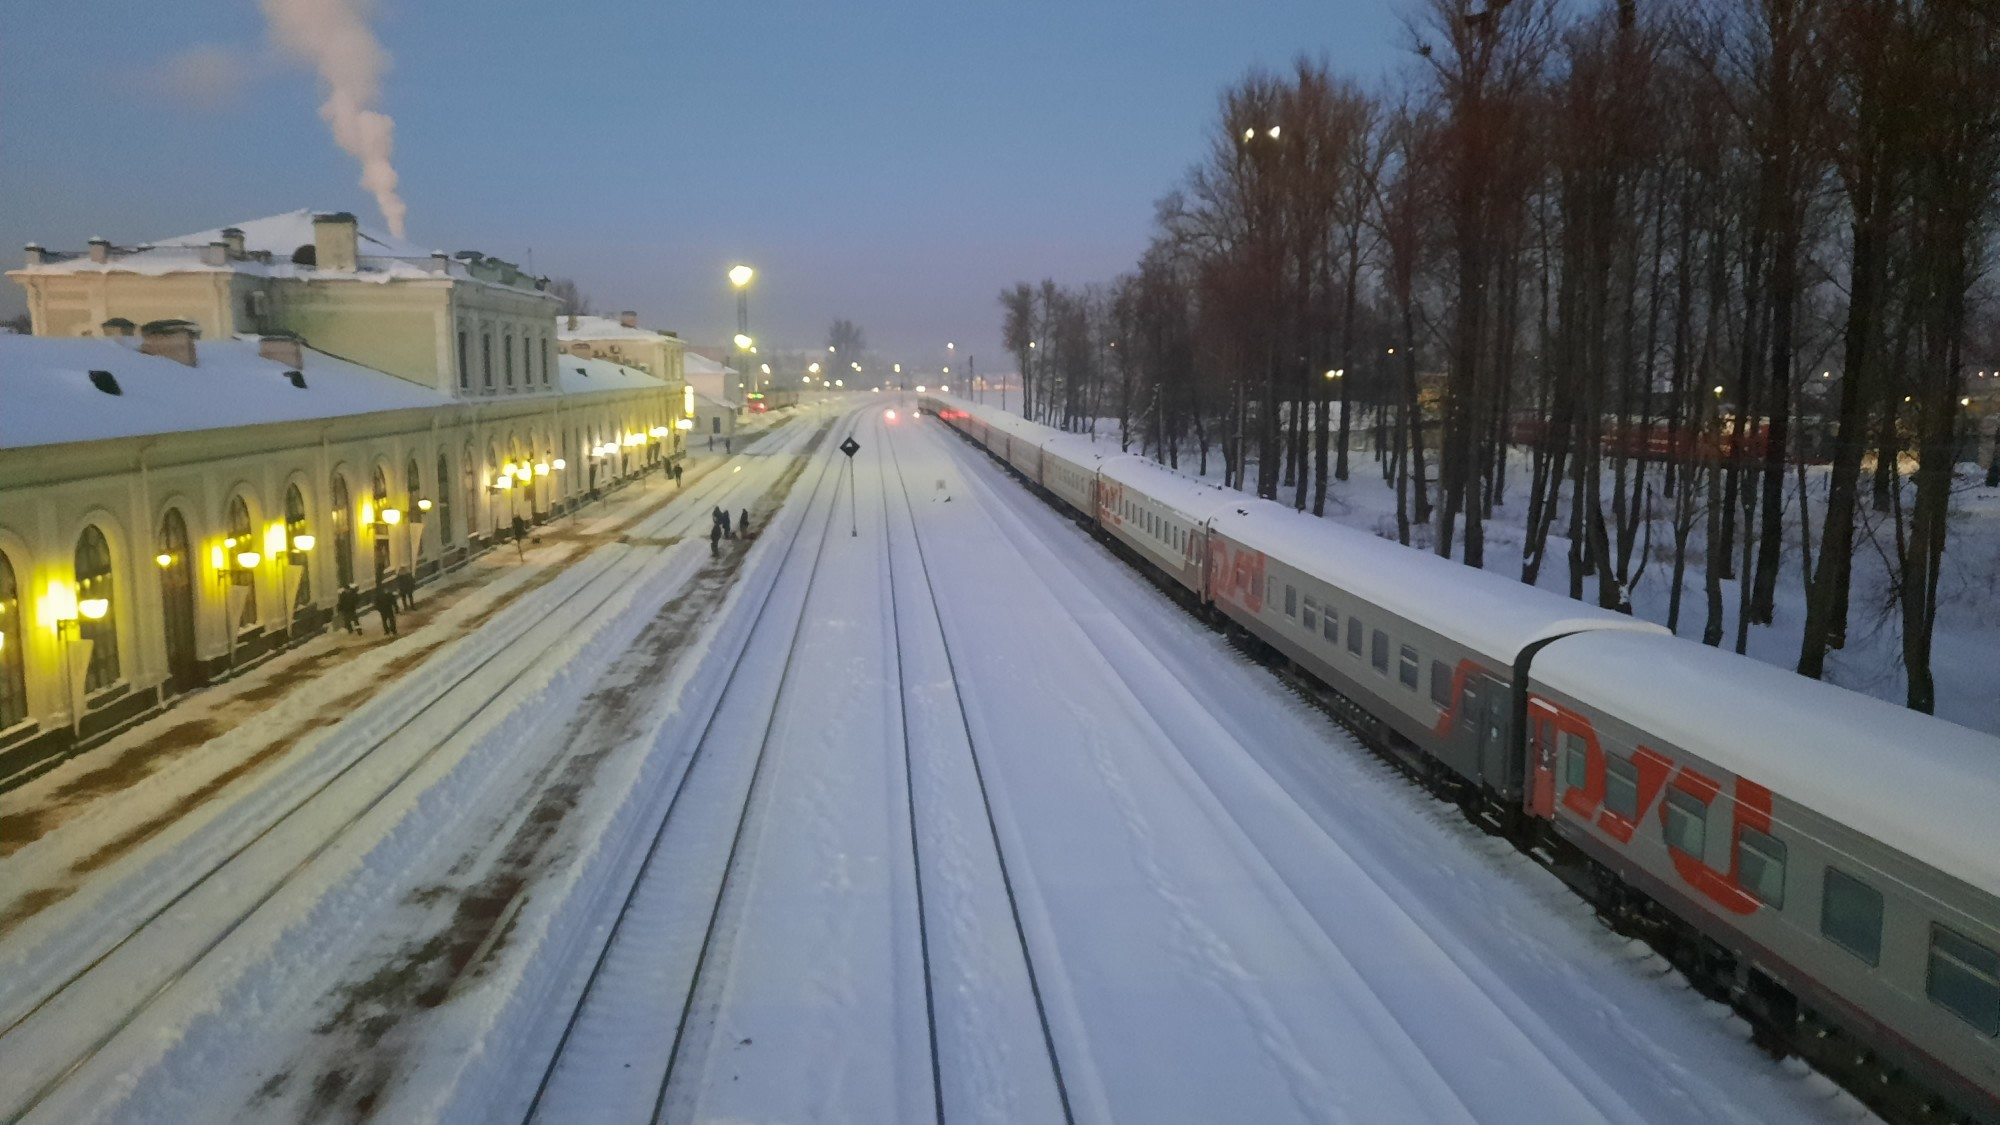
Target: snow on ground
[1024,839]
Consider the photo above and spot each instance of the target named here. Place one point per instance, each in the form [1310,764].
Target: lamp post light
[61,609]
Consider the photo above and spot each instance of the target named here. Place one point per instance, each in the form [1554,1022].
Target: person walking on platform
[385,607]
[726,532]
[677,474]
[743,524]
[406,589]
[714,539]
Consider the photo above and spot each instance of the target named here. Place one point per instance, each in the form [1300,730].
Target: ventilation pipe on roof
[336,242]
[440,262]
[283,347]
[215,253]
[232,238]
[117,326]
[100,250]
[36,255]
[628,319]
[170,339]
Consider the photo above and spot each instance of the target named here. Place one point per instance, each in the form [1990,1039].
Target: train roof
[1493,615]
[1081,449]
[1916,783]
[1193,498]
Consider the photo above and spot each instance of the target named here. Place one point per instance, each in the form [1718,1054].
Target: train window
[1965,977]
[1378,653]
[1329,625]
[1309,616]
[1291,601]
[1850,915]
[1576,761]
[1687,822]
[1406,670]
[1354,629]
[1440,683]
[1760,865]
[1621,788]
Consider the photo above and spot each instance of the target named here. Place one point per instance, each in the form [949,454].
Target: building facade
[175,503]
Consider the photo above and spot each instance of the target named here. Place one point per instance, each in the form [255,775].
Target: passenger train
[1827,863]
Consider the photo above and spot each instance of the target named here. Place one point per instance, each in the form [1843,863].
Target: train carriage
[1160,515]
[1070,463]
[1427,647]
[1836,845]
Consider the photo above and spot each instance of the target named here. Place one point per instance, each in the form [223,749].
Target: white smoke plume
[333,36]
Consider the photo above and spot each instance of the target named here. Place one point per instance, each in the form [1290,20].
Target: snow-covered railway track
[188,904]
[938,738]
[643,982]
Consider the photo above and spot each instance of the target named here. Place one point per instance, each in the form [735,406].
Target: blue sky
[894,163]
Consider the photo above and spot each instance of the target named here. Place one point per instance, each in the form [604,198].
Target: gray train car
[1161,516]
[1431,649]
[1842,847]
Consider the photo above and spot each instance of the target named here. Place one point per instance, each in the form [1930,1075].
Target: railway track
[647,910]
[50,1035]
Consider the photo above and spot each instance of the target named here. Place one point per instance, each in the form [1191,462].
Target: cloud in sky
[209,76]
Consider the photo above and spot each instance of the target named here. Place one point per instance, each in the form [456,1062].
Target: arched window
[244,532]
[507,349]
[468,471]
[464,360]
[415,481]
[381,541]
[547,349]
[486,358]
[94,585]
[343,532]
[295,526]
[13,661]
[443,504]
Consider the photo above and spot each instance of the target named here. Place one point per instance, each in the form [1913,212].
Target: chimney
[100,250]
[580,350]
[572,322]
[215,253]
[336,244]
[283,347]
[170,339]
[117,326]
[440,262]
[232,237]
[36,255]
[628,319]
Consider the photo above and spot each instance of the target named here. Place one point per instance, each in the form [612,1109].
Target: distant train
[1827,863]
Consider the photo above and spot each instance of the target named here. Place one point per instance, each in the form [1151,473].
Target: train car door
[1499,772]
[1542,753]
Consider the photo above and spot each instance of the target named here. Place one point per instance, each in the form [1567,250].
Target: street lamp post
[740,277]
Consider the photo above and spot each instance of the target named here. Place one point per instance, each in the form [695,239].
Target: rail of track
[985,797]
[578,604]
[598,978]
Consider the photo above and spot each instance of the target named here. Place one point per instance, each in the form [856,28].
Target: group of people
[397,591]
[720,528]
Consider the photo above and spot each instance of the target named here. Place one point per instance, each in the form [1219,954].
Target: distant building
[187,411]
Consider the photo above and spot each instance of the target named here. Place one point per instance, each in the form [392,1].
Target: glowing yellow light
[58,603]
[814,368]
[504,483]
[231,541]
[274,539]
[687,400]
[424,505]
[920,389]
[367,512]
[743,341]
[1273,134]
[739,276]
[1249,134]
[684,423]
[943,387]
[392,516]
[560,464]
[889,414]
[215,558]
[541,468]
[840,382]
[303,542]
[1718,391]
[248,559]
[164,559]
[94,608]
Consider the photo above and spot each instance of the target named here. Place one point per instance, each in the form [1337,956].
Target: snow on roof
[282,234]
[603,328]
[578,375]
[1921,785]
[1495,615]
[712,380]
[1194,499]
[50,396]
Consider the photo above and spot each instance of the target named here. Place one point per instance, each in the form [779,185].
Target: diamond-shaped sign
[850,447]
